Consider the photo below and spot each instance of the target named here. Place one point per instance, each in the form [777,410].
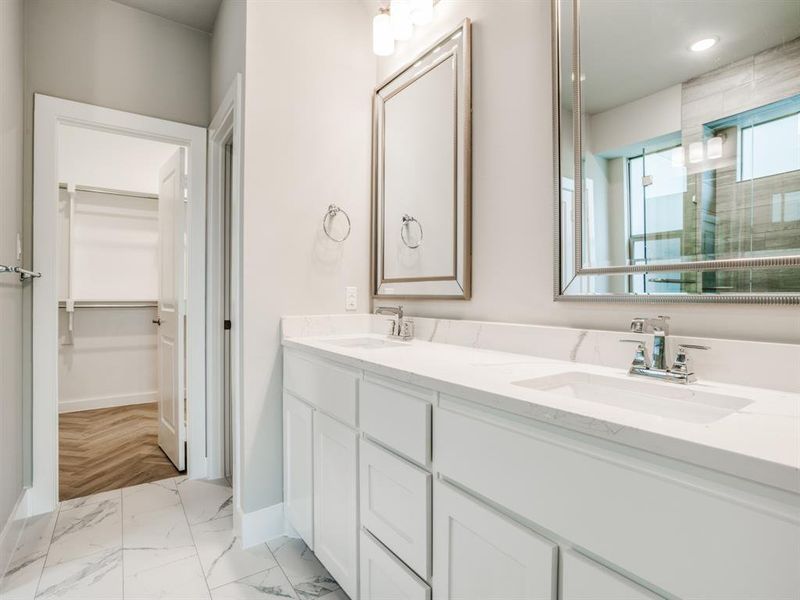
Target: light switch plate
[351,298]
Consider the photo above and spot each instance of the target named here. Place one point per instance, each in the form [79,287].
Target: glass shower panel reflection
[657,188]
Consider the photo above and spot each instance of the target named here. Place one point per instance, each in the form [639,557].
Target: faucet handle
[681,364]
[407,329]
[640,359]
[393,323]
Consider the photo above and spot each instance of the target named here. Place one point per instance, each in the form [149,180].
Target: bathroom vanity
[423,469]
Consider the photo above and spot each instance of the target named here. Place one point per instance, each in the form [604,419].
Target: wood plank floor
[110,448]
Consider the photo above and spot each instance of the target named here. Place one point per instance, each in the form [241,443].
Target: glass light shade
[421,12]
[382,37]
[695,152]
[714,147]
[402,27]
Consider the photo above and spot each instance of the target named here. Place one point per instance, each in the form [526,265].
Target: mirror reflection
[418,184]
[690,142]
[422,175]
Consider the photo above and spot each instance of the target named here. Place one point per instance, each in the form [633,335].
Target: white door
[584,579]
[479,554]
[335,500]
[297,468]
[171,301]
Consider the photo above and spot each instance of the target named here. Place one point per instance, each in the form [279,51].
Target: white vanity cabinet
[298,475]
[479,553]
[385,577]
[336,500]
[584,579]
[417,494]
[320,446]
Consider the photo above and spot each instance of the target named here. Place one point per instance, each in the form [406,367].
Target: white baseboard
[260,526]
[12,528]
[66,406]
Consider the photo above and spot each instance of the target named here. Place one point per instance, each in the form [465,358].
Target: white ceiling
[632,48]
[199,14]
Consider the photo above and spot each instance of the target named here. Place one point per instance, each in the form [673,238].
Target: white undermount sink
[671,401]
[365,342]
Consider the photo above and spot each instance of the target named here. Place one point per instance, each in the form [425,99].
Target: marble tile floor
[170,540]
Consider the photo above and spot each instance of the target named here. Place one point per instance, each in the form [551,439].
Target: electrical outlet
[351,298]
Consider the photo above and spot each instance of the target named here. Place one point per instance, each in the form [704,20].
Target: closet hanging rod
[79,304]
[112,191]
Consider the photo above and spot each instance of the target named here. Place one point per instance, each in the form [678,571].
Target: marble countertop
[760,442]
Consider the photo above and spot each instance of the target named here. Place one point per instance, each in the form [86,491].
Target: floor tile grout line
[122,538]
[57,515]
[285,574]
[280,566]
[283,571]
[194,543]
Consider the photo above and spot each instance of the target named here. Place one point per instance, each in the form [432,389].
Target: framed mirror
[421,175]
[677,150]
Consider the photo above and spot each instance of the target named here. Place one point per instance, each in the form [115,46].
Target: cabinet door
[479,554]
[335,500]
[584,579]
[297,466]
[384,577]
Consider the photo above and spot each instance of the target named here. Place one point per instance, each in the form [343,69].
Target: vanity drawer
[331,388]
[384,577]
[396,505]
[584,579]
[684,531]
[398,416]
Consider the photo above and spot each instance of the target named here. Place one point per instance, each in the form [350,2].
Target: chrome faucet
[660,329]
[402,327]
[655,367]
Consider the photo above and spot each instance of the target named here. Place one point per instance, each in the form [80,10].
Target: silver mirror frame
[559,286]
[462,279]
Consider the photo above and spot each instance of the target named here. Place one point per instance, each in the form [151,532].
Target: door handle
[157,321]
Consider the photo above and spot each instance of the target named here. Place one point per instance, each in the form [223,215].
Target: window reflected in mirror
[689,144]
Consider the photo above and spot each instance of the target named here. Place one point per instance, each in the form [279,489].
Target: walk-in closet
[109,281]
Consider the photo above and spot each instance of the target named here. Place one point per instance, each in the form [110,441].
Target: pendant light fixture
[402,27]
[396,23]
[421,12]
[382,37]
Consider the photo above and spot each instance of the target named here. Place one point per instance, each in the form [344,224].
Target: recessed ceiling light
[704,44]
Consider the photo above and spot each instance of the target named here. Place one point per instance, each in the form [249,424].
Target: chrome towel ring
[330,214]
[407,220]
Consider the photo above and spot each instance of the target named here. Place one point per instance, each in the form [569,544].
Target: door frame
[49,113]
[226,125]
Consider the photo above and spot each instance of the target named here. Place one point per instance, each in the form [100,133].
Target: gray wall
[11,81]
[227,48]
[104,53]
[310,69]
[513,190]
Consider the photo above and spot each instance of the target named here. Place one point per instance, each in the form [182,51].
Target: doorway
[107,259]
[227,323]
[224,288]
